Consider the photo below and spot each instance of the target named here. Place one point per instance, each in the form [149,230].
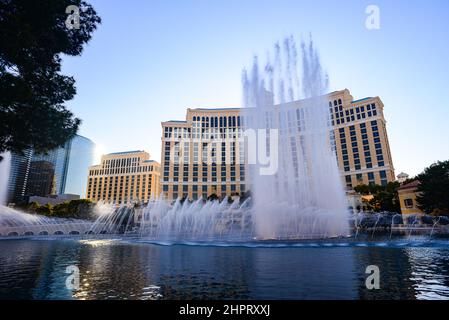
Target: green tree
[434,188]
[78,209]
[212,197]
[385,198]
[33,37]
[45,210]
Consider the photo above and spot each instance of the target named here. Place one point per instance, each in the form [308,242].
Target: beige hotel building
[197,161]
[124,178]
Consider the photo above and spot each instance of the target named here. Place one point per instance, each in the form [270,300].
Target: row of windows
[370,177]
[99,172]
[125,162]
[219,122]
[182,191]
[355,113]
[365,144]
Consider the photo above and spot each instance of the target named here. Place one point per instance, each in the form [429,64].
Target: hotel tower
[204,154]
[124,178]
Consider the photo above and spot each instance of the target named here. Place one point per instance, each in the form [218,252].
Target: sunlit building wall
[192,168]
[124,178]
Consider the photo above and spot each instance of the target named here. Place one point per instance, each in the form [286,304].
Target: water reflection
[119,270]
[429,270]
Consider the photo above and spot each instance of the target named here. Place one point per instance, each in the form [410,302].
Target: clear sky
[152,59]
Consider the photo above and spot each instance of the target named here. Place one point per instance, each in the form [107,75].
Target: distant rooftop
[209,109]
[410,185]
[126,152]
[367,98]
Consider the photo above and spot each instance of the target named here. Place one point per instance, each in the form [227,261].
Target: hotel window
[186,174]
[371,177]
[348,181]
[408,203]
[204,173]
[223,173]
[383,177]
[242,173]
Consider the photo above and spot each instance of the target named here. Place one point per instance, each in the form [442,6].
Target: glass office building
[68,166]
[80,156]
[18,176]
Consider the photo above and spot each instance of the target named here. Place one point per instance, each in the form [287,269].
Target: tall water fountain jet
[304,197]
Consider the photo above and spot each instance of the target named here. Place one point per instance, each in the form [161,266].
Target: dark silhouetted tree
[434,188]
[33,36]
[385,198]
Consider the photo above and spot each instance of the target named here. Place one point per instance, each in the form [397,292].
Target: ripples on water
[115,269]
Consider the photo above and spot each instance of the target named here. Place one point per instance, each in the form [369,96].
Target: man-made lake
[116,269]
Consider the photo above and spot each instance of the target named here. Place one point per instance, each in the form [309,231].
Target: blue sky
[151,60]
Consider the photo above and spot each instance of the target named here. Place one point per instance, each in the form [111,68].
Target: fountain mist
[305,197]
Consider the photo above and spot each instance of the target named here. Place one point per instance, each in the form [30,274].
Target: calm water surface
[114,269]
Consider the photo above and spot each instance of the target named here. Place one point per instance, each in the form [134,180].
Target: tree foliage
[78,209]
[434,188]
[385,198]
[33,38]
